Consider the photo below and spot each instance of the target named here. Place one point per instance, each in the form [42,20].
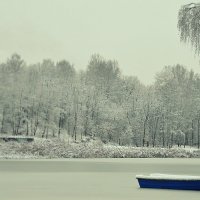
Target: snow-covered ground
[42,148]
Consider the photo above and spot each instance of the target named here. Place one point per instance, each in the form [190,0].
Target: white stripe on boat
[168,177]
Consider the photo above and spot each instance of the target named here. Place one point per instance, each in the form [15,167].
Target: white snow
[168,177]
[192,5]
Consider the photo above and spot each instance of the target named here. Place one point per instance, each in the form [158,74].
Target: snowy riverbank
[62,149]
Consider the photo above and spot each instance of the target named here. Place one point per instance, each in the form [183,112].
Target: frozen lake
[90,179]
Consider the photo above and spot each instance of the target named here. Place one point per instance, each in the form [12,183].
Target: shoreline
[59,149]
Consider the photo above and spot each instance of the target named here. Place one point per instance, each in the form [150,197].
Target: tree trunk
[192,139]
[3,120]
[13,120]
[27,125]
[198,121]
[43,133]
[155,131]
[172,139]
[86,119]
[144,133]
[47,133]
[27,129]
[19,115]
[75,126]
[59,125]
[36,124]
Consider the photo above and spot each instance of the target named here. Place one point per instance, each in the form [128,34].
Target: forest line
[52,99]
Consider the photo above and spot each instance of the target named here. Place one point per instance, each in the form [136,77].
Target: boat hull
[170,184]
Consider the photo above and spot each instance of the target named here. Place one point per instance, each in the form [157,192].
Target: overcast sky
[141,35]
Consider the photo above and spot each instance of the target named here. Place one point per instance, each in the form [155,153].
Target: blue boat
[166,181]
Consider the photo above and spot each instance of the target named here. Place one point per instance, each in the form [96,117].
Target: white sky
[141,35]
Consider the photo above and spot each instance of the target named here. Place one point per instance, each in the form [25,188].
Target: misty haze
[106,82]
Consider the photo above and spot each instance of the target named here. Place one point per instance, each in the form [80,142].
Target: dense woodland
[52,99]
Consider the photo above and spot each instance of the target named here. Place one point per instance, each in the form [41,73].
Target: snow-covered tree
[189,25]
